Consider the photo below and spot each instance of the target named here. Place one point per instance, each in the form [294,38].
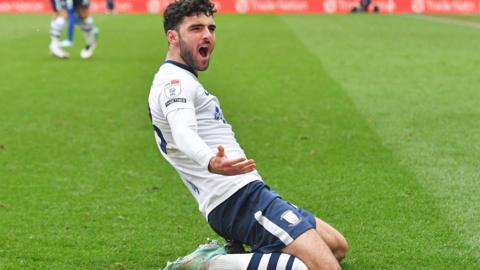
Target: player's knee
[337,244]
[82,17]
[83,13]
[342,249]
[62,13]
[57,25]
[87,21]
[60,20]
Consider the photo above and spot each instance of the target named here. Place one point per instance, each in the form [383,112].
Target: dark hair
[176,11]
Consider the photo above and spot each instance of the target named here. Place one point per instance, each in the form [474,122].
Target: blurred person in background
[85,21]
[110,6]
[364,6]
[72,20]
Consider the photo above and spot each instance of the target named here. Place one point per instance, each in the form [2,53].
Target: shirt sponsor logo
[194,188]
[219,115]
[173,89]
[173,100]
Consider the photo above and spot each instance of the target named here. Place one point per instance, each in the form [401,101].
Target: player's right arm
[183,125]
[220,164]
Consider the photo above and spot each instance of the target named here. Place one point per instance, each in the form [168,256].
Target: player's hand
[220,164]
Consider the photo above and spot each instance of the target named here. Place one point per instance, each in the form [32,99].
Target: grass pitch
[370,122]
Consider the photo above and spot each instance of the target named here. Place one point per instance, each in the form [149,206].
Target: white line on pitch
[447,20]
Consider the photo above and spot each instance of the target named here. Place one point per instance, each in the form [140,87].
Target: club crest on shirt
[290,217]
[173,89]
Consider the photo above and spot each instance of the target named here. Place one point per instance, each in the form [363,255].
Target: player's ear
[172,37]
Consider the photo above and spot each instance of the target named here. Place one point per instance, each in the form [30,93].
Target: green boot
[198,259]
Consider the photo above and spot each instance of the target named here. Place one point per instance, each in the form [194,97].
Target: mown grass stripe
[405,212]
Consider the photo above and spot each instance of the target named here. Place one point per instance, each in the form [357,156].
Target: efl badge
[173,89]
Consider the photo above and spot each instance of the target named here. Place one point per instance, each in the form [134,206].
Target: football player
[193,135]
[81,8]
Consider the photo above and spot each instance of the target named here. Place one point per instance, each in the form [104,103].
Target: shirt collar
[180,65]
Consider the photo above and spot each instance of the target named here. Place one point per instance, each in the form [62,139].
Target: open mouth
[203,50]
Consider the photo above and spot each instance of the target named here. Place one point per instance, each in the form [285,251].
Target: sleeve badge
[173,89]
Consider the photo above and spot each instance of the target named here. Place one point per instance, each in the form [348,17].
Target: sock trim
[255,261]
[290,262]
[272,264]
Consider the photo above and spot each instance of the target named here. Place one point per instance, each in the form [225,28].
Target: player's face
[197,40]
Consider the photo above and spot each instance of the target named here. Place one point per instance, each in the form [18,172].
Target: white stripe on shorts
[273,228]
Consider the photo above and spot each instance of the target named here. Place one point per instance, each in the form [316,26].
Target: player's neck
[172,55]
[175,57]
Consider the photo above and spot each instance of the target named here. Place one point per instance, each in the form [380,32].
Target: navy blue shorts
[260,218]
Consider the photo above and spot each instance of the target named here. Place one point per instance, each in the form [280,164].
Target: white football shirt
[176,95]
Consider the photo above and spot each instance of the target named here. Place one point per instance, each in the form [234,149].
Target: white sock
[256,261]
[88,30]
[56,27]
